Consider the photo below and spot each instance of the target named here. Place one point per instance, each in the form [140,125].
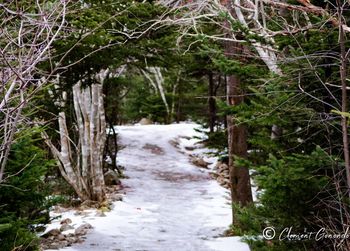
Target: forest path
[169,204]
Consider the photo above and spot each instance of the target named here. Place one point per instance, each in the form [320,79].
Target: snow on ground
[77,219]
[169,204]
[227,244]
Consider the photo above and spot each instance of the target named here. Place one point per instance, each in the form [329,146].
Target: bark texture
[157,83]
[237,146]
[211,103]
[82,166]
[237,134]
[344,105]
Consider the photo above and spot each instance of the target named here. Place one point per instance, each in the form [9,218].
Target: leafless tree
[81,163]
[155,77]
[27,32]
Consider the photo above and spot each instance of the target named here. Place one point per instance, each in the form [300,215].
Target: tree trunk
[83,168]
[98,139]
[237,146]
[173,101]
[211,103]
[344,119]
[111,147]
[158,83]
[237,133]
[179,102]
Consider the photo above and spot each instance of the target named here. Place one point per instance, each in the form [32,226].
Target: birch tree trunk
[158,85]
[82,167]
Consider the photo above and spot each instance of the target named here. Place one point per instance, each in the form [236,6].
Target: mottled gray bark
[83,169]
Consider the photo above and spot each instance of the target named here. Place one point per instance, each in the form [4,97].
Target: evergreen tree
[23,194]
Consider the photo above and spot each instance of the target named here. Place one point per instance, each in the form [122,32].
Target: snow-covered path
[169,203]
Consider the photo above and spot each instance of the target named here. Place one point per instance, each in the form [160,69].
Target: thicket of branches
[269,78]
[292,116]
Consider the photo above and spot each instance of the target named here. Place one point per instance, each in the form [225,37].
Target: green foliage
[291,183]
[217,140]
[246,224]
[294,171]
[291,189]
[23,202]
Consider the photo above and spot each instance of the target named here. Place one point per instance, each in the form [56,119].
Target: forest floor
[169,203]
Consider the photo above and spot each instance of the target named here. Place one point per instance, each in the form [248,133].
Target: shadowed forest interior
[207,124]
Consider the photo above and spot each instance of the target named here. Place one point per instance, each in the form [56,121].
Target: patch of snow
[170,204]
[227,244]
[77,220]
